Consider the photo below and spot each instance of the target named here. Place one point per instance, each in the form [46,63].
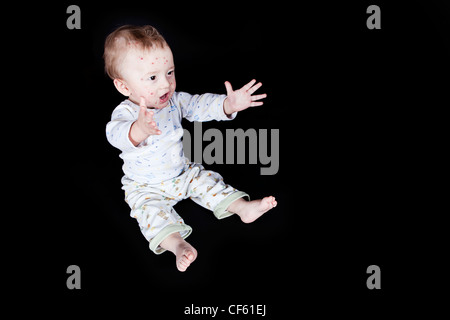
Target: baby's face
[149,74]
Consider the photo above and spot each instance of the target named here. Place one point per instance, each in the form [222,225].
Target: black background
[359,114]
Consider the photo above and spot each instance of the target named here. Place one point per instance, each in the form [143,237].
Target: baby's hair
[127,37]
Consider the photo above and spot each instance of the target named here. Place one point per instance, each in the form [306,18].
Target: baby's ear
[122,87]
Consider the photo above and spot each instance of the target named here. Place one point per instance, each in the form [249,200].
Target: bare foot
[249,211]
[184,252]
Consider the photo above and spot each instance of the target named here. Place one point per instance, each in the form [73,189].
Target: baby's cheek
[151,95]
[153,98]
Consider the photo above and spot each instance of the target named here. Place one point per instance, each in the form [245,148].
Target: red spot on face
[141,58]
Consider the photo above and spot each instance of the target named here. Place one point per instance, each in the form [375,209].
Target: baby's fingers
[259,97]
[152,127]
[155,129]
[254,88]
[151,123]
[142,103]
[249,85]
[143,109]
[144,113]
[149,116]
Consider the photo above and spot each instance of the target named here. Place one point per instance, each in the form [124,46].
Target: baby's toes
[190,256]
[183,264]
[270,202]
[274,202]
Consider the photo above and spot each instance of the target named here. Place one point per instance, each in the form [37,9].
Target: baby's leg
[184,252]
[208,189]
[249,211]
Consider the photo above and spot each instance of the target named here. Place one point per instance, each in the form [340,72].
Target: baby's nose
[165,83]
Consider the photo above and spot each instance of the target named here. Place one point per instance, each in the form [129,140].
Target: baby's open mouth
[164,98]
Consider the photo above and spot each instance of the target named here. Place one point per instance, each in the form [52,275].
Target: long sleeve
[117,130]
[161,157]
[204,107]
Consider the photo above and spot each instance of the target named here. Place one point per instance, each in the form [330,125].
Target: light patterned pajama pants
[152,204]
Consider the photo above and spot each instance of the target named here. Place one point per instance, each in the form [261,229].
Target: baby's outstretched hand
[144,126]
[242,99]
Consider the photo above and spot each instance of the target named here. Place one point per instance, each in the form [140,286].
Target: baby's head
[140,62]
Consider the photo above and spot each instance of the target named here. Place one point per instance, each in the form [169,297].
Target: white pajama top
[161,157]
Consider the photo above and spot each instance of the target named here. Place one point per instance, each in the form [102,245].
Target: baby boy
[146,127]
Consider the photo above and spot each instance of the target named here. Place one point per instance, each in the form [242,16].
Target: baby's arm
[200,107]
[144,126]
[242,99]
[125,132]
[208,106]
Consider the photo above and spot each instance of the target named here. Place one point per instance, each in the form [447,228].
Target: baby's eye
[152,78]
[170,73]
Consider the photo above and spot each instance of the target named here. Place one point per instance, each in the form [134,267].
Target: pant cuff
[183,229]
[221,209]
